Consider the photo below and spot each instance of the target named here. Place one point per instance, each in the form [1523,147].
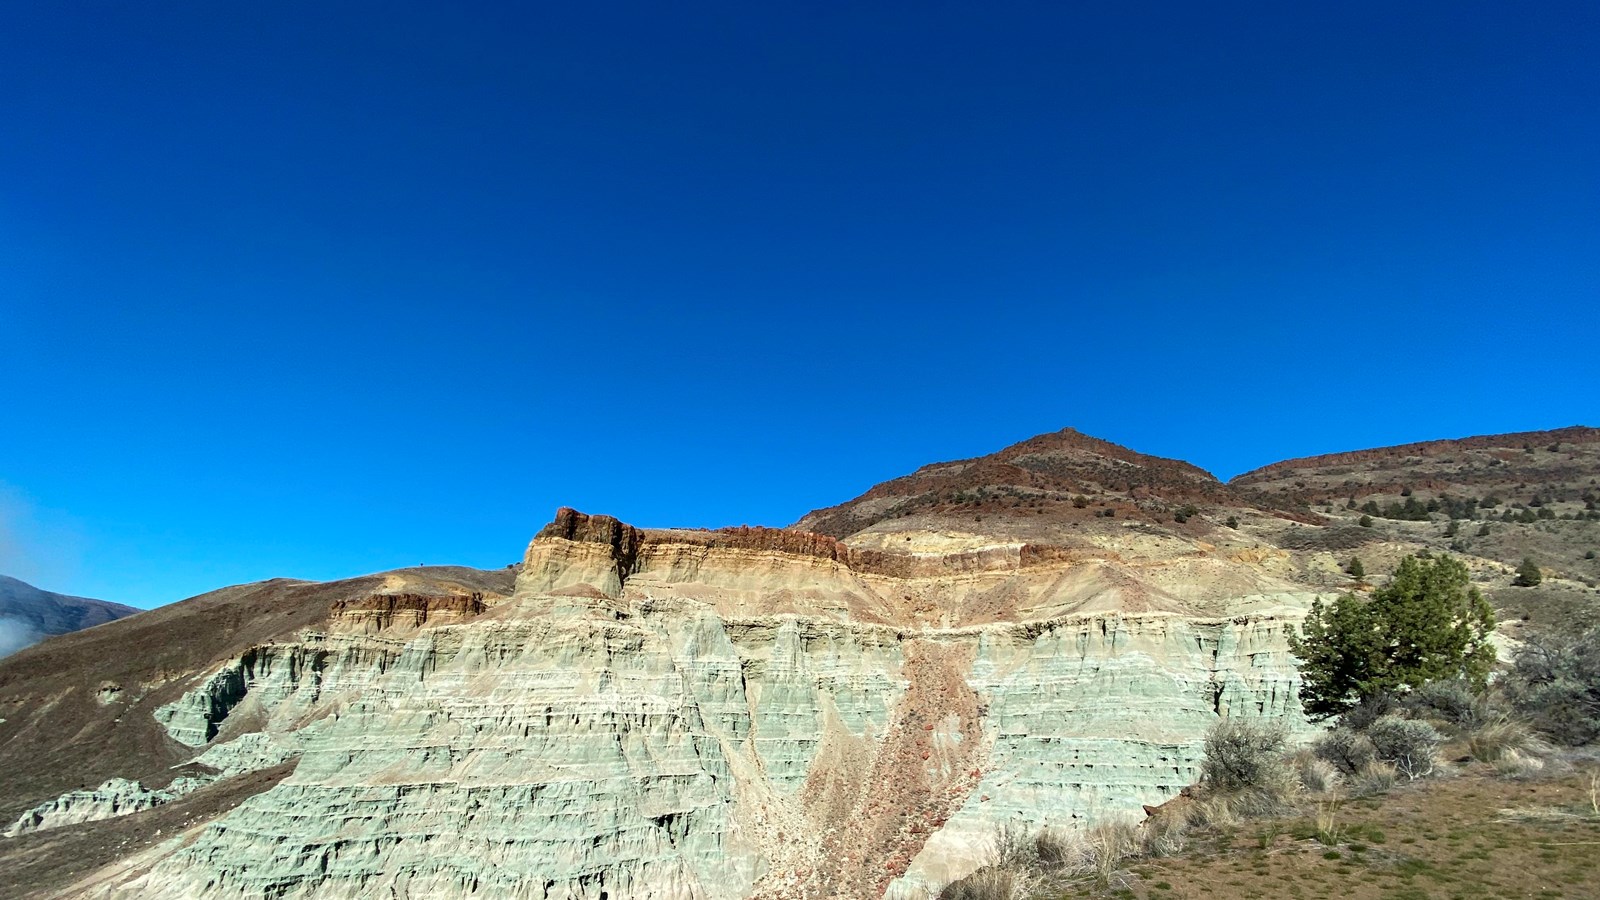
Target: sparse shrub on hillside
[1369,710]
[1528,574]
[1356,569]
[1483,530]
[1233,522]
[1346,749]
[1243,753]
[1589,555]
[1555,683]
[1408,744]
[1365,521]
[1451,701]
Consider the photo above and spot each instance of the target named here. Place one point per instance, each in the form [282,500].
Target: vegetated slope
[1059,477]
[28,614]
[1558,466]
[1501,498]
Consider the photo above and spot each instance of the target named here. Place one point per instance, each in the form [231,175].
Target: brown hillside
[1063,476]
[1557,465]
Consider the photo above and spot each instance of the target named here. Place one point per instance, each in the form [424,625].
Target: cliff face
[682,714]
[1041,637]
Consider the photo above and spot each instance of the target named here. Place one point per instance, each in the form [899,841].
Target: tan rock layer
[382,611]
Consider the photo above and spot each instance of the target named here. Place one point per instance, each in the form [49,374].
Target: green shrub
[1347,750]
[1408,744]
[1451,700]
[1243,753]
[1528,574]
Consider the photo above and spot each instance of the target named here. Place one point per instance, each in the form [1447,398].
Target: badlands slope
[846,708]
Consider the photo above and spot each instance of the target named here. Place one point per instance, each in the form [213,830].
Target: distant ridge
[1576,434]
[29,614]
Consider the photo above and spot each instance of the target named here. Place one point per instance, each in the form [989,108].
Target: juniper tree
[1428,623]
[1528,574]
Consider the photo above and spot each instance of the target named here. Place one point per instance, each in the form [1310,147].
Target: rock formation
[848,708]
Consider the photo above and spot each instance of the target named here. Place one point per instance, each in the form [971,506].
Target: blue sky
[321,289]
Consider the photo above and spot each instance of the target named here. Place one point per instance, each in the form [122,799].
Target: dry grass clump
[1024,860]
[1375,777]
[996,882]
[1493,741]
[1514,763]
[1317,775]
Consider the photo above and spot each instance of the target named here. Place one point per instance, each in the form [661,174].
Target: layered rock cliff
[750,712]
[679,713]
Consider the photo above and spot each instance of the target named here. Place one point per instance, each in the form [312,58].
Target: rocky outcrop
[578,550]
[381,612]
[656,745]
[117,797]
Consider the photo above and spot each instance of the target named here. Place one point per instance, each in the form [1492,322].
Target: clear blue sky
[317,289]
